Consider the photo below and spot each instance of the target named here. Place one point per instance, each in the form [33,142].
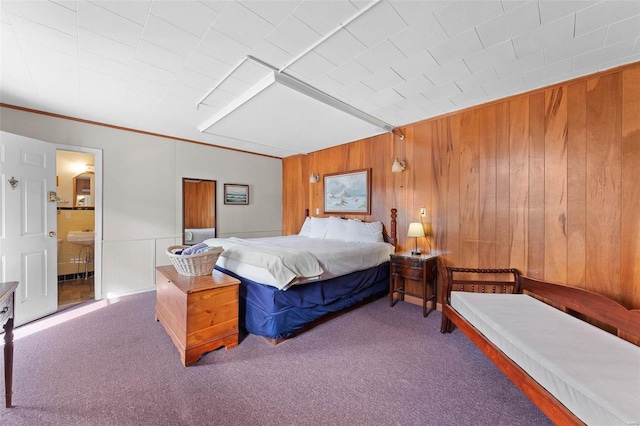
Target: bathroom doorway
[77,203]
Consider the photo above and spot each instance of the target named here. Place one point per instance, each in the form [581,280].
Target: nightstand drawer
[408,263]
[409,272]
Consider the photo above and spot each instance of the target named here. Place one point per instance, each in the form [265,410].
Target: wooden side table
[199,313]
[421,272]
[7,306]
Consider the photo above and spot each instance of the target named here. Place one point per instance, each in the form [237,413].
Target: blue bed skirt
[276,314]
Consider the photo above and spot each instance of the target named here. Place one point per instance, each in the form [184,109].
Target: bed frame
[586,305]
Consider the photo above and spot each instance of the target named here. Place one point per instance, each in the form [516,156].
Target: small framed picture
[236,194]
[348,192]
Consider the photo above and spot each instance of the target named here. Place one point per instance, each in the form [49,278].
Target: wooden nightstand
[200,313]
[415,276]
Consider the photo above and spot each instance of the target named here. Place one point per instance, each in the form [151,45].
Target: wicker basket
[192,265]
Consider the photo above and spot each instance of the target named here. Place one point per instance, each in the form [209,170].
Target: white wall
[142,199]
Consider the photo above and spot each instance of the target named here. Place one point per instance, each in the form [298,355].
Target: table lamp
[416,230]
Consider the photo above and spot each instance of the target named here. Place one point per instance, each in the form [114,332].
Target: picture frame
[348,192]
[236,194]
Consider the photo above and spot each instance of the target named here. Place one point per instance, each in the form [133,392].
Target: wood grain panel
[502,186]
[576,184]
[604,162]
[518,182]
[469,188]
[555,185]
[630,244]
[452,141]
[536,187]
[487,196]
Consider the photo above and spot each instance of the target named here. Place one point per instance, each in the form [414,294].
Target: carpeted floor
[112,364]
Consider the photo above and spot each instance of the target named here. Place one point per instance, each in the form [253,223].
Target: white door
[28,241]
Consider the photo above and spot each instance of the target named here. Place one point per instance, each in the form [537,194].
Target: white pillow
[364,232]
[305,231]
[318,227]
[336,229]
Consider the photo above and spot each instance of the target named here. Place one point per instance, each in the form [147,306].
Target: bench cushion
[593,373]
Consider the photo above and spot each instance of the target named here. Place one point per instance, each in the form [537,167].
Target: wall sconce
[398,166]
[314,178]
[416,230]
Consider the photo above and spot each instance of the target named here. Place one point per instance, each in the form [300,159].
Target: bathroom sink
[81,237]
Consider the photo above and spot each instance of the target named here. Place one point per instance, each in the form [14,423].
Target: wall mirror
[83,190]
[198,210]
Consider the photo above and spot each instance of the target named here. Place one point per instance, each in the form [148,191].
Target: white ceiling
[146,64]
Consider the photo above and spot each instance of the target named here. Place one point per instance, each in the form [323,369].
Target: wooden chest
[200,313]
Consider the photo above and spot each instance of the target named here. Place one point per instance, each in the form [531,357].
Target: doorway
[77,226]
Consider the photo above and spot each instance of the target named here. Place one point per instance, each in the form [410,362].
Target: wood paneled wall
[199,203]
[547,182]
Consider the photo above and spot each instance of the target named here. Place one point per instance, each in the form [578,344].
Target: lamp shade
[415,230]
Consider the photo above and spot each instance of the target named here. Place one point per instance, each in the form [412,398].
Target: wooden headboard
[390,237]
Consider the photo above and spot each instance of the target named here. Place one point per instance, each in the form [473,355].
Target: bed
[279,302]
[544,337]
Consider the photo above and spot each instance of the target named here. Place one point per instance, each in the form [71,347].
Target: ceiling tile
[45,36]
[380,57]
[421,36]
[170,37]
[159,57]
[445,91]
[385,97]
[511,84]
[520,65]
[324,16]
[242,25]
[606,54]
[383,80]
[460,16]
[556,32]
[409,88]
[107,47]
[413,102]
[135,11]
[450,72]
[478,79]
[552,10]
[293,36]
[605,13]
[441,106]
[511,24]
[355,91]
[509,5]
[618,61]
[222,47]
[100,64]
[470,97]
[349,73]
[273,11]
[493,56]
[415,65]
[636,48]
[623,30]
[205,64]
[190,16]
[36,56]
[539,76]
[341,48]
[583,44]
[152,73]
[44,13]
[376,24]
[456,48]
[102,84]
[413,11]
[107,24]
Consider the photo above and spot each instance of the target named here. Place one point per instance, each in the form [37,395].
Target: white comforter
[334,258]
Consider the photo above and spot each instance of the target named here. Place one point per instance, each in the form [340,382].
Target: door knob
[52,233]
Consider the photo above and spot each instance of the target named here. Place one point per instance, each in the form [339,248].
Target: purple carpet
[375,365]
